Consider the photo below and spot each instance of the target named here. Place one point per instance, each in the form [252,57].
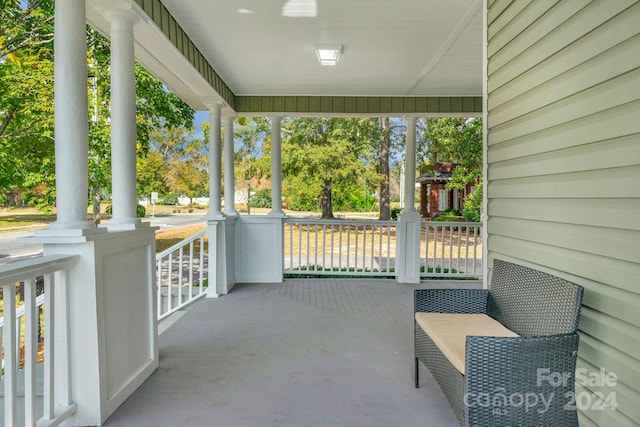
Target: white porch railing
[339,247]
[20,324]
[451,249]
[316,247]
[180,274]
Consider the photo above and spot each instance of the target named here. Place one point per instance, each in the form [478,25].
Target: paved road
[13,250]
[173,221]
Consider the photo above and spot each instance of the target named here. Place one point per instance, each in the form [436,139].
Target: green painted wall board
[397,106]
[564,168]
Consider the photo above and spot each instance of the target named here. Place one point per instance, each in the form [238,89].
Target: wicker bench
[524,376]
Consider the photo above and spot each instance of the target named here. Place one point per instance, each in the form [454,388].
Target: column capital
[117,11]
[212,103]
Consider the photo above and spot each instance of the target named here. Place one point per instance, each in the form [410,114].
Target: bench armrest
[450,300]
[521,380]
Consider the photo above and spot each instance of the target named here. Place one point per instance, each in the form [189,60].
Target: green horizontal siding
[564,168]
[168,25]
[373,105]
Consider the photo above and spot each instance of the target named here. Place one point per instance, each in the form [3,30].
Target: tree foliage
[187,163]
[457,141]
[454,140]
[325,155]
[253,155]
[152,171]
[26,101]
[27,113]
[25,25]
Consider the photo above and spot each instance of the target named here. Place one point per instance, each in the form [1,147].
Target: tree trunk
[249,197]
[325,200]
[96,206]
[385,207]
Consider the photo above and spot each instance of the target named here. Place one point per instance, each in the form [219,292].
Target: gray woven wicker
[522,381]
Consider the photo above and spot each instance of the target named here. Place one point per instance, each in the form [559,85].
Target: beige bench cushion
[449,331]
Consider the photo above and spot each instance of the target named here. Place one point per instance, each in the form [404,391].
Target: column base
[218,216]
[113,328]
[122,226]
[277,214]
[72,225]
[408,247]
[63,235]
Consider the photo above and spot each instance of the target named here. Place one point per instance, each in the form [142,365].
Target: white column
[71,106]
[409,227]
[216,227]
[276,166]
[410,166]
[123,120]
[229,172]
[215,162]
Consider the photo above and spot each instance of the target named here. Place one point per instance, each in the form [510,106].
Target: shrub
[452,212]
[473,205]
[446,218]
[261,199]
[395,212]
[170,199]
[141,211]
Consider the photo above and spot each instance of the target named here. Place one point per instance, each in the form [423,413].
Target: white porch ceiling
[390,47]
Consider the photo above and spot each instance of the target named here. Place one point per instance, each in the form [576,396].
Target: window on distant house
[443,200]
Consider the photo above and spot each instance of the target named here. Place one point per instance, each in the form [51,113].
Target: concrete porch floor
[312,352]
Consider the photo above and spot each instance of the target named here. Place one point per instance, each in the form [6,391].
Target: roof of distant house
[434,176]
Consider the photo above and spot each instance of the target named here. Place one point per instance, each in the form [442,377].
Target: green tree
[385,153]
[387,139]
[151,173]
[455,140]
[252,158]
[26,105]
[459,141]
[322,154]
[25,25]
[187,164]
[26,101]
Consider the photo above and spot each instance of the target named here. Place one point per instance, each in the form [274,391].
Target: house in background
[434,197]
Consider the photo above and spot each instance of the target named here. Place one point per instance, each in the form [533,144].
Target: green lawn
[12,221]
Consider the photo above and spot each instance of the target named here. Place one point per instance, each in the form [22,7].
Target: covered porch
[557,86]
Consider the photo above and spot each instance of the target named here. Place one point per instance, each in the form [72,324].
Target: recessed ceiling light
[328,55]
[300,9]
[246,11]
